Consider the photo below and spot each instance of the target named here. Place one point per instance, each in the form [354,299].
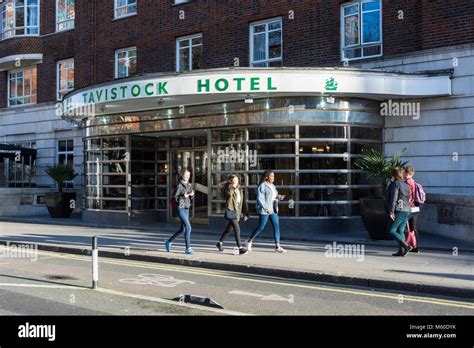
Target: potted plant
[372,209]
[60,204]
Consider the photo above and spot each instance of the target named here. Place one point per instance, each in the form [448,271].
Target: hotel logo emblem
[331,84]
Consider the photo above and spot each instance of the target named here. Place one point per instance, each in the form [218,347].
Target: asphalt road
[59,284]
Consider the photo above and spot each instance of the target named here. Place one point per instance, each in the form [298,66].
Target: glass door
[197,161]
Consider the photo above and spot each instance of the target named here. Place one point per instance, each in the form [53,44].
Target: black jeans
[232,224]
[412,223]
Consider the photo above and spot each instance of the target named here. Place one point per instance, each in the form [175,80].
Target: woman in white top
[267,208]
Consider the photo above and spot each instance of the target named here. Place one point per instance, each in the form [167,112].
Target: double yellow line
[267,280]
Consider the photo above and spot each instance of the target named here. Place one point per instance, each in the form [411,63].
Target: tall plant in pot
[60,203]
[372,209]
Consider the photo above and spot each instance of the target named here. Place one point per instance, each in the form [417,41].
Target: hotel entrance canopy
[163,91]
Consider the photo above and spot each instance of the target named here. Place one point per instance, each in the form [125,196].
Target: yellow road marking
[273,280]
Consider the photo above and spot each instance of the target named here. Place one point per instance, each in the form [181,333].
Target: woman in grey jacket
[398,208]
[267,208]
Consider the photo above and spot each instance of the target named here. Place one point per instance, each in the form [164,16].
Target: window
[65,80]
[125,62]
[22,87]
[19,18]
[361,30]
[177,2]
[189,53]
[23,172]
[124,8]
[66,152]
[64,14]
[266,43]
[106,173]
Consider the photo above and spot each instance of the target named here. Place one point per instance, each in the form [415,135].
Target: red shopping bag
[411,237]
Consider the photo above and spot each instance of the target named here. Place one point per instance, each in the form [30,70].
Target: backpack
[173,202]
[420,195]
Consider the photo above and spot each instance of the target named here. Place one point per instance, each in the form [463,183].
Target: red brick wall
[312,38]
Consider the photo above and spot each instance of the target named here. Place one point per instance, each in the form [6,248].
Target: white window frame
[68,20]
[66,152]
[251,37]
[189,47]
[117,8]
[61,93]
[15,28]
[127,50]
[9,97]
[361,31]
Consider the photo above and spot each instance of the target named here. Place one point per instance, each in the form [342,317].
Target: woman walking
[414,206]
[182,196]
[236,206]
[398,208]
[267,208]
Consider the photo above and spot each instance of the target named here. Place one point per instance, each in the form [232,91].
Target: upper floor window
[125,8]
[22,87]
[189,53]
[266,43]
[64,14]
[361,29]
[125,62]
[19,18]
[65,80]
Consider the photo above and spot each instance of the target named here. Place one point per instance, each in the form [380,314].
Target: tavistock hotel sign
[233,84]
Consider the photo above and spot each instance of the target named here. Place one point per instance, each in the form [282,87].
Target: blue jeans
[183,216]
[262,222]
[397,227]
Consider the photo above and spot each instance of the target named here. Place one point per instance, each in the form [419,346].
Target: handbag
[230,214]
[411,237]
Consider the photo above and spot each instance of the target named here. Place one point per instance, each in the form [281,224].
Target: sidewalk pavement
[435,270]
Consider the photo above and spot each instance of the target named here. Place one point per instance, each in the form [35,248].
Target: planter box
[59,204]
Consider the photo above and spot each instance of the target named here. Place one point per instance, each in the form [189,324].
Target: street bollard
[95,263]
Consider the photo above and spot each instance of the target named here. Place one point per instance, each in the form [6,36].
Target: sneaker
[219,246]
[167,246]
[189,251]
[280,250]
[414,250]
[243,251]
[248,244]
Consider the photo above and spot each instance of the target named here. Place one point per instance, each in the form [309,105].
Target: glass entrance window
[106,173]
[313,166]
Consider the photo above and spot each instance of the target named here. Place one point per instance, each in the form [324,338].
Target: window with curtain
[125,8]
[64,14]
[125,62]
[19,18]
[361,36]
[266,44]
[22,87]
[65,80]
[189,53]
